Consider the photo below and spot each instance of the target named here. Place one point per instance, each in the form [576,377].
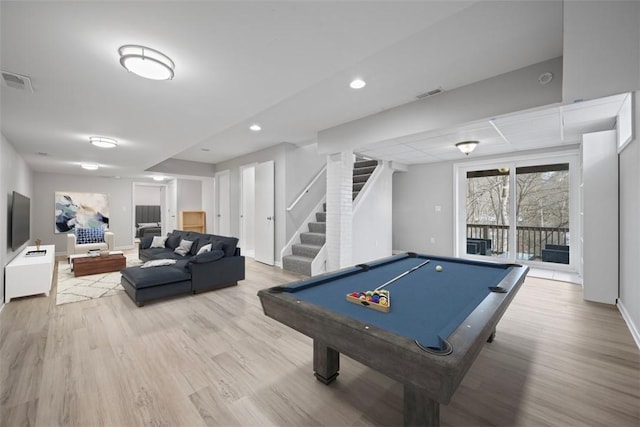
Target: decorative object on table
[38,242]
[378,299]
[75,210]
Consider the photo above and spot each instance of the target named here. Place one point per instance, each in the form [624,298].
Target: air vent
[16,81]
[430,93]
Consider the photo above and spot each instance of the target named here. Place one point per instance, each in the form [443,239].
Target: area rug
[75,289]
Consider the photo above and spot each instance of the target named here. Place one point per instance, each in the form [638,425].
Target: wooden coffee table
[86,265]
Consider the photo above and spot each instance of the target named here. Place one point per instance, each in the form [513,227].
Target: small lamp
[467,146]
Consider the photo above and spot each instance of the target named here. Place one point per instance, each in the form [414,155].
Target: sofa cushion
[207,257]
[228,244]
[173,240]
[158,263]
[158,242]
[184,247]
[194,247]
[215,244]
[89,235]
[203,249]
[145,242]
[147,277]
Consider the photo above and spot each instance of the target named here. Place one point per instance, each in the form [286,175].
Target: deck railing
[529,240]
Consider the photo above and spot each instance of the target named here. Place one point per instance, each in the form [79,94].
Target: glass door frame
[512,162]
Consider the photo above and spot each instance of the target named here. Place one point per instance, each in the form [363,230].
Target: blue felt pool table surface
[426,305]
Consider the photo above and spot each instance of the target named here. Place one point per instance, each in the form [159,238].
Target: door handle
[269,218]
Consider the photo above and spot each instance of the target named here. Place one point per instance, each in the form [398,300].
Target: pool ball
[438,268]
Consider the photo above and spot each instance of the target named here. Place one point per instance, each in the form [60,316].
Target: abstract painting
[75,210]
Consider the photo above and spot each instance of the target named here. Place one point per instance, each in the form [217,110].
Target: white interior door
[264,211]
[223,219]
[247,211]
[171,207]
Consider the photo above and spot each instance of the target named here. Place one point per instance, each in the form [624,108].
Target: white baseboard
[632,327]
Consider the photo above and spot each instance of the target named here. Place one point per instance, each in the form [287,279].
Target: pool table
[437,323]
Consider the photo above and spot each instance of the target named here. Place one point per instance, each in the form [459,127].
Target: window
[521,210]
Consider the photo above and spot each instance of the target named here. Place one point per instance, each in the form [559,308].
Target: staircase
[310,244]
[312,241]
[362,170]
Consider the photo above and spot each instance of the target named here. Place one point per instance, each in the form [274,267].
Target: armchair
[85,239]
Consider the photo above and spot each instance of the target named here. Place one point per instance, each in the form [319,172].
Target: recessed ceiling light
[103,142]
[146,62]
[90,166]
[254,127]
[357,84]
[158,178]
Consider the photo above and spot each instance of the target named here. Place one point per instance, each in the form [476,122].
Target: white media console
[30,275]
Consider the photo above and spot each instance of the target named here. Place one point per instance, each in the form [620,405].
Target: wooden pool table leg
[326,362]
[419,409]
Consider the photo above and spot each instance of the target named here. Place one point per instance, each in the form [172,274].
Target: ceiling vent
[16,81]
[430,93]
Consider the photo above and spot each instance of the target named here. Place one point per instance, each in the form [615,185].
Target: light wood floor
[214,359]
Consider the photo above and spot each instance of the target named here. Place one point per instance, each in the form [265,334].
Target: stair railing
[307,188]
[287,249]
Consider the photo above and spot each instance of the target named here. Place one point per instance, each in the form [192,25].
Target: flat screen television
[20,220]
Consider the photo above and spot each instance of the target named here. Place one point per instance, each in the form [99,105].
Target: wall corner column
[339,237]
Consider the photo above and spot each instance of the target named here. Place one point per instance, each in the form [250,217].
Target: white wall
[629,301]
[303,164]
[121,210]
[146,195]
[416,193]
[15,175]
[189,195]
[372,218]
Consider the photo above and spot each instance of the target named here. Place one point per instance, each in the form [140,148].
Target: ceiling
[283,65]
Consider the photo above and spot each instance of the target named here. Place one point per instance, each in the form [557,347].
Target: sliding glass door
[519,210]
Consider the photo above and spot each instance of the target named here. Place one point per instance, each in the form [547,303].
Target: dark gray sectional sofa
[221,267]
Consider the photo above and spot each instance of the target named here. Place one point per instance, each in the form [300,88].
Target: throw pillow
[203,249]
[89,235]
[184,248]
[207,257]
[173,240]
[158,263]
[194,247]
[145,242]
[158,242]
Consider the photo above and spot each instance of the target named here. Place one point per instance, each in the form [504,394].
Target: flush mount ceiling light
[467,146]
[158,178]
[357,84]
[255,127]
[103,142]
[90,166]
[146,62]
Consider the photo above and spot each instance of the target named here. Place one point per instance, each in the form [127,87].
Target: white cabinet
[600,217]
[29,275]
